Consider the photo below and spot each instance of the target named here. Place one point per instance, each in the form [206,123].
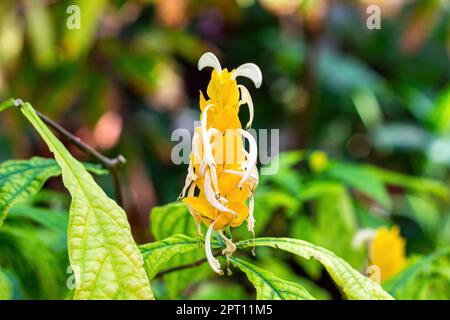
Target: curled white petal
[211,196]
[251,71]
[363,236]
[252,156]
[206,138]
[191,176]
[208,59]
[254,176]
[213,262]
[251,218]
[246,98]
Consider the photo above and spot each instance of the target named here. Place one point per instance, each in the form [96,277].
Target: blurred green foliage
[376,101]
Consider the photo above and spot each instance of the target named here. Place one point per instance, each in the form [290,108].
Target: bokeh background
[376,102]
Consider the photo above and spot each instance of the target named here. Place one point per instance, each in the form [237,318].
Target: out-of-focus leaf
[286,176]
[21,179]
[353,283]
[101,247]
[335,218]
[368,108]
[362,180]
[6,287]
[400,137]
[52,219]
[426,278]
[346,74]
[422,210]
[418,184]
[440,117]
[219,291]
[11,35]
[76,42]
[41,33]
[270,287]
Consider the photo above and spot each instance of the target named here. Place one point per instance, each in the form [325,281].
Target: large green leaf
[21,179]
[426,278]
[268,286]
[353,284]
[101,247]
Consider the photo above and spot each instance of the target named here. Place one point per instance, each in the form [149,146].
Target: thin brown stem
[186,266]
[113,165]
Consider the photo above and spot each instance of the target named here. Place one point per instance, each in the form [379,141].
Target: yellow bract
[227,151]
[387,251]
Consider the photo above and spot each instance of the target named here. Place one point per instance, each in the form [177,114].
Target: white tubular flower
[363,236]
[252,156]
[246,98]
[250,71]
[208,59]
[211,196]
[251,218]
[213,262]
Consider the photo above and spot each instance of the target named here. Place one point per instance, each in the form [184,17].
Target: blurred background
[364,114]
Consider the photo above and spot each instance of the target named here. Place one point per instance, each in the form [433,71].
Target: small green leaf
[354,284]
[268,286]
[101,248]
[21,179]
[156,254]
[7,104]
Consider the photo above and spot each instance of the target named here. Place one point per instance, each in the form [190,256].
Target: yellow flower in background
[222,174]
[387,251]
[318,161]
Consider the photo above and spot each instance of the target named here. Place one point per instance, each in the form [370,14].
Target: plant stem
[113,165]
[186,266]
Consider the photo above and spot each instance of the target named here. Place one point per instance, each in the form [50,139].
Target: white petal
[213,262]
[363,236]
[251,219]
[251,71]
[247,99]
[211,196]
[252,156]
[208,59]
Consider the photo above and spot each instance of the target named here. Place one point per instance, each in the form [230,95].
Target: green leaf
[353,284]
[170,219]
[100,243]
[21,179]
[7,104]
[361,179]
[157,253]
[426,278]
[419,184]
[6,287]
[268,286]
